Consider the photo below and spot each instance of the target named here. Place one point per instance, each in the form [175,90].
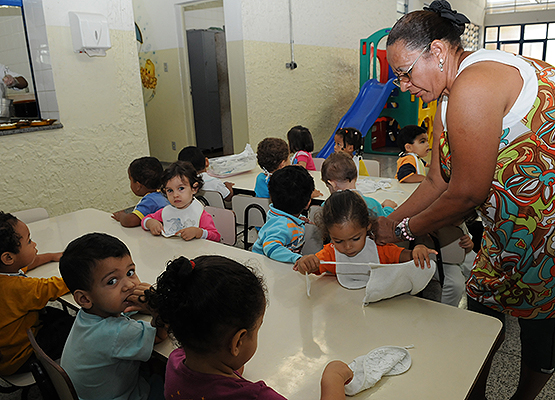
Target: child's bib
[356,276]
[175,219]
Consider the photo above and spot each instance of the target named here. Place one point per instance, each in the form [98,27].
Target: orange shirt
[21,300]
[388,254]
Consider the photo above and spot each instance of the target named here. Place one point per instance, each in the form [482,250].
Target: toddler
[144,176]
[184,216]
[216,336]
[351,141]
[272,154]
[282,236]
[23,300]
[201,163]
[413,142]
[339,172]
[302,146]
[105,348]
[346,221]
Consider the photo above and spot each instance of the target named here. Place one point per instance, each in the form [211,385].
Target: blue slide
[363,112]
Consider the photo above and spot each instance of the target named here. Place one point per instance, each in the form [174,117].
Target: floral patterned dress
[514,272]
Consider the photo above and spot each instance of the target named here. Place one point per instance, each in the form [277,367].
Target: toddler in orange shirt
[23,300]
[346,221]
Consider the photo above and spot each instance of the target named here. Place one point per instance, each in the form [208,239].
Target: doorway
[204,31]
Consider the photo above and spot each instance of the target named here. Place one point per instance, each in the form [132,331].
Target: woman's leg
[537,364]
[530,383]
[479,390]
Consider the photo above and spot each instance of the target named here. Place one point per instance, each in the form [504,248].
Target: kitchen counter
[6,132]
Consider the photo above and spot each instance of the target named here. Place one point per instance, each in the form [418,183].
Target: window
[530,40]
[506,6]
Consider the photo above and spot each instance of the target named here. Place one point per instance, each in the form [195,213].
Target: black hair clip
[443,8]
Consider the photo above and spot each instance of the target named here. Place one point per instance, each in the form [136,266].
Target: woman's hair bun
[443,8]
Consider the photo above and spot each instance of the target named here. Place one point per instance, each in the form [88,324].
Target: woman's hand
[384,231]
[308,264]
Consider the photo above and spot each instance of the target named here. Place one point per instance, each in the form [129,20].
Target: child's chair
[318,163]
[212,197]
[23,382]
[58,377]
[31,215]
[373,167]
[251,213]
[224,220]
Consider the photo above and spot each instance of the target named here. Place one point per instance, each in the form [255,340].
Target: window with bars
[531,40]
[506,6]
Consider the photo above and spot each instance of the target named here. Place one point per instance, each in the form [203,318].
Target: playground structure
[380,107]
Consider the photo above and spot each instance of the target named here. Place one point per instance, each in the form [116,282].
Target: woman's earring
[441,64]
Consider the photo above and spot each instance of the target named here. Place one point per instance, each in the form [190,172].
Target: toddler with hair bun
[217,336]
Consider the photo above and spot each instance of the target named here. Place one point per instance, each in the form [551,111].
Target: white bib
[175,219]
[356,276]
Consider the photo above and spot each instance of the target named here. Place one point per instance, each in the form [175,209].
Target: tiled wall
[13,46]
[40,57]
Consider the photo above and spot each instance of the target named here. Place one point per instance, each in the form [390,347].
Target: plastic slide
[363,112]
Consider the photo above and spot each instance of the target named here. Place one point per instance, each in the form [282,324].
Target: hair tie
[443,8]
[192,264]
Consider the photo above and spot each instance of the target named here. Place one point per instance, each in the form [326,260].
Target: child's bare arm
[44,258]
[308,264]
[127,220]
[229,186]
[334,378]
[316,193]
[420,255]
[389,203]
[466,243]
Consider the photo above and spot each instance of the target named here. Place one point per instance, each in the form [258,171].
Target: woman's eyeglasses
[405,76]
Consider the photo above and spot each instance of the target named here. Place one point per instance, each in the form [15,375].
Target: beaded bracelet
[405,231]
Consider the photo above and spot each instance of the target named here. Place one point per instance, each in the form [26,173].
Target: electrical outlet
[173,146]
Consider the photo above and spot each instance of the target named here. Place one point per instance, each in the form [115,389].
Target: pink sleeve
[207,223]
[302,157]
[157,216]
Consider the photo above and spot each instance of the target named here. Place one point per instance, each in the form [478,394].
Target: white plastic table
[300,335]
[398,192]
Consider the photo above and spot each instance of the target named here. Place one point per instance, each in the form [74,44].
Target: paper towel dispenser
[90,33]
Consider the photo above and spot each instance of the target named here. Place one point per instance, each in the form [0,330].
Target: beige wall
[315,95]
[266,98]
[85,163]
